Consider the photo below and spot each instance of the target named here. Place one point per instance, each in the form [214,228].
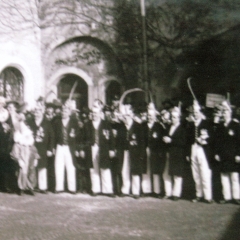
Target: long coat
[227,146]
[73,135]
[118,129]
[204,126]
[44,140]
[176,150]
[153,141]
[105,143]
[134,141]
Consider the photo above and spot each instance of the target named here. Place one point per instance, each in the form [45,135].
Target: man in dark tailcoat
[175,143]
[6,143]
[134,155]
[66,144]
[44,142]
[99,146]
[153,132]
[227,153]
[199,133]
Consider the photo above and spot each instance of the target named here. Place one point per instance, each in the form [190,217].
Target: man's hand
[111,154]
[49,153]
[217,158]
[82,154]
[76,154]
[35,163]
[188,158]
[21,163]
[237,159]
[167,139]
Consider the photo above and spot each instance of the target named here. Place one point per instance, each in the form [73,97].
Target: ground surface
[65,216]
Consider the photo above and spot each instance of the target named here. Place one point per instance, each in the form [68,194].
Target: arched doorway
[11,84]
[80,94]
[112,88]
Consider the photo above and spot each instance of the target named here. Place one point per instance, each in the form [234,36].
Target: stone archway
[86,55]
[80,95]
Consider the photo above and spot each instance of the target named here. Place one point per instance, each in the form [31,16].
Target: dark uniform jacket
[118,129]
[44,140]
[103,137]
[72,135]
[133,140]
[176,150]
[227,146]
[153,141]
[192,133]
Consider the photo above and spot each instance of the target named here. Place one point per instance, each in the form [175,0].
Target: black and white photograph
[120,119]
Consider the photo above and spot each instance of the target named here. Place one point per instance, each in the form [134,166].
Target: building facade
[47,47]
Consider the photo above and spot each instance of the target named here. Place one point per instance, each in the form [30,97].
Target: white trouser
[146,178]
[172,184]
[42,179]
[127,179]
[230,185]
[101,179]
[63,159]
[202,174]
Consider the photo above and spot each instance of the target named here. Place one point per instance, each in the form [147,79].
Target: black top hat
[57,103]
[15,103]
[49,105]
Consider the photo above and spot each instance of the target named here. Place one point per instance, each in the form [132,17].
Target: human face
[226,114]
[49,111]
[11,108]
[175,119]
[38,113]
[96,114]
[166,117]
[66,112]
[151,116]
[196,114]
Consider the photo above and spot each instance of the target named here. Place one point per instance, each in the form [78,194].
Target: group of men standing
[128,156]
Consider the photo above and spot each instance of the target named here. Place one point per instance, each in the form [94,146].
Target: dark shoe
[197,199]
[236,201]
[57,192]
[136,196]
[123,195]
[43,191]
[223,201]
[166,197]
[208,201]
[146,195]
[72,192]
[20,192]
[111,195]
[174,198]
[93,194]
[31,192]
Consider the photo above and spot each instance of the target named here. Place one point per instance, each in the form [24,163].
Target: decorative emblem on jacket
[133,141]
[6,127]
[72,133]
[231,132]
[106,134]
[202,139]
[39,135]
[154,135]
[114,133]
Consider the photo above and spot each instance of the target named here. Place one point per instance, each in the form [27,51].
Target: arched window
[11,84]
